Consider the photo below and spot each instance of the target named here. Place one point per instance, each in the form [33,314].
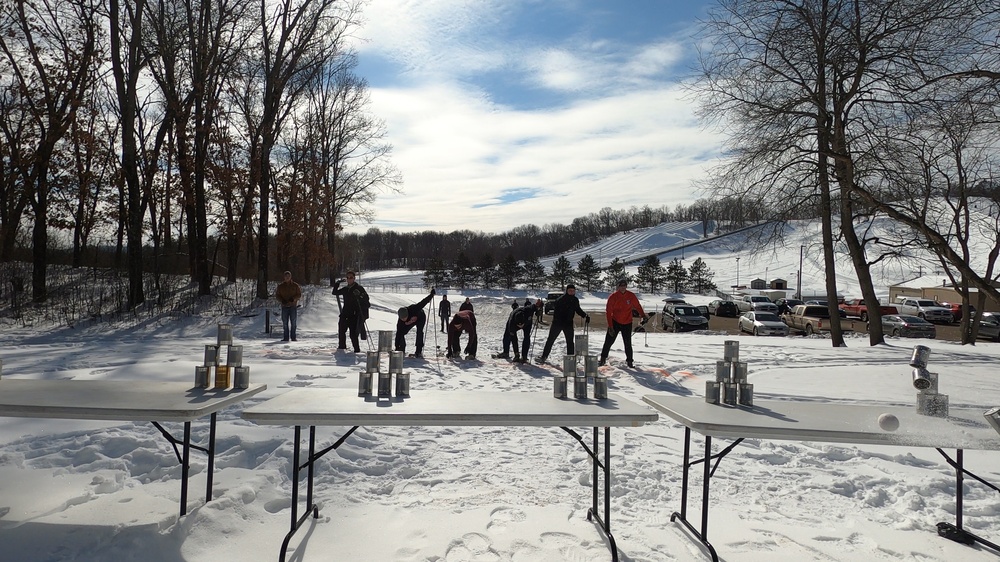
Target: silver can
[385,340]
[225,334]
[723,369]
[601,387]
[580,344]
[364,384]
[730,393]
[372,362]
[559,386]
[592,363]
[580,388]
[241,378]
[732,351]
[920,355]
[211,355]
[569,365]
[395,362]
[739,372]
[746,395]
[402,385]
[712,389]
[201,376]
[234,356]
[384,385]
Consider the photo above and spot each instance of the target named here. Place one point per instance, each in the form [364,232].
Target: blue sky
[510,112]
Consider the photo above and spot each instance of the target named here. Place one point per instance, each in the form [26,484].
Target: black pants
[403,329]
[348,322]
[554,330]
[510,338]
[613,330]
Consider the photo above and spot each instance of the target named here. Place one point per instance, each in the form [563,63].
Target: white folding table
[964,428]
[343,407]
[133,400]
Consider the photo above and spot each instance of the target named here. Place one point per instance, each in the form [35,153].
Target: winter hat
[570,286]
[403,313]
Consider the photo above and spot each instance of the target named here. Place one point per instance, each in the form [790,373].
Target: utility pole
[798,285]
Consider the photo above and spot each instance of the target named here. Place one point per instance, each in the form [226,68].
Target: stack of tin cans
[580,379]
[223,363]
[730,385]
[373,370]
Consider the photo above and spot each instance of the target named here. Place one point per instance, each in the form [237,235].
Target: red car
[956,309]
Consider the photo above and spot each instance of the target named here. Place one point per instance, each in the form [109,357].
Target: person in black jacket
[519,321]
[410,316]
[444,312]
[467,305]
[563,312]
[354,312]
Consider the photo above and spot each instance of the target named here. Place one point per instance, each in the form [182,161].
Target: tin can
[201,376]
[932,405]
[385,340]
[225,334]
[732,351]
[402,385]
[591,364]
[580,388]
[211,355]
[395,362]
[730,393]
[723,369]
[364,384]
[371,362]
[920,355]
[222,377]
[559,386]
[384,385]
[601,387]
[740,372]
[569,365]
[712,389]
[234,356]
[241,378]
[580,344]
[746,395]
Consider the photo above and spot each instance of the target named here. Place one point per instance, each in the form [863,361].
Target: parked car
[820,302]
[859,308]
[924,308]
[762,324]
[956,310]
[682,318]
[908,326]
[786,305]
[550,301]
[989,326]
[759,303]
[703,309]
[720,307]
[808,318]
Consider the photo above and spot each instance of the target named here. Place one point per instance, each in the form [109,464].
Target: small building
[779,284]
[758,284]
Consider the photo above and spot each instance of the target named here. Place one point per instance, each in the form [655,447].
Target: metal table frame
[815,422]
[450,409]
[144,401]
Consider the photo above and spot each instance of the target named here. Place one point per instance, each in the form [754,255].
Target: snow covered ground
[72,490]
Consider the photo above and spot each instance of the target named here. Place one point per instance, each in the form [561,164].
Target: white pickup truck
[756,303]
[924,308]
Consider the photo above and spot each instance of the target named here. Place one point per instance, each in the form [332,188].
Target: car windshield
[760,299]
[926,303]
[767,317]
[686,311]
[913,320]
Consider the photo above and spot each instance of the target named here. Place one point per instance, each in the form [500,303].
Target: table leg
[956,532]
[598,467]
[185,466]
[702,535]
[211,459]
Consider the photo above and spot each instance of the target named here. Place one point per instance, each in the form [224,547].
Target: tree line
[209,137]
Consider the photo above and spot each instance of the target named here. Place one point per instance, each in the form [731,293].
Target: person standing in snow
[288,294]
[467,305]
[464,321]
[444,312]
[354,312]
[564,311]
[619,309]
[410,316]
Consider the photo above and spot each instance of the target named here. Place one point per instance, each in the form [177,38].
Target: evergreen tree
[562,272]
[436,275]
[486,271]
[615,272]
[676,276]
[462,274]
[651,274]
[588,273]
[700,277]
[510,272]
[534,273]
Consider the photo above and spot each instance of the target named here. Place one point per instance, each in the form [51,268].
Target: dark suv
[682,318]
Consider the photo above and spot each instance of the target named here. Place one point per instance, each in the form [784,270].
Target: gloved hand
[433,292]
[586,319]
[336,284]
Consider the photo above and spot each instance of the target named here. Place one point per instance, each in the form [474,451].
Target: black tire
[755,332]
[809,329]
[895,332]
[996,338]
[864,316]
[921,315]
[673,327]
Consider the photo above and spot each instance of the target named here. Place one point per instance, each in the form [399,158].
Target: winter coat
[564,309]
[620,306]
[444,309]
[356,300]
[288,293]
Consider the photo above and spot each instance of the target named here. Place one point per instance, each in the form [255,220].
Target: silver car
[989,326]
[763,324]
[906,326]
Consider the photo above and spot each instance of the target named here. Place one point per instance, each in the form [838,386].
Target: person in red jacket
[464,321]
[619,309]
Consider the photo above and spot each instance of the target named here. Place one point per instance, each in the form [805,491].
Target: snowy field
[72,490]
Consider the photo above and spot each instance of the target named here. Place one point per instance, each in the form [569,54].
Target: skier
[354,312]
[464,321]
[519,321]
[564,310]
[619,309]
[410,316]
